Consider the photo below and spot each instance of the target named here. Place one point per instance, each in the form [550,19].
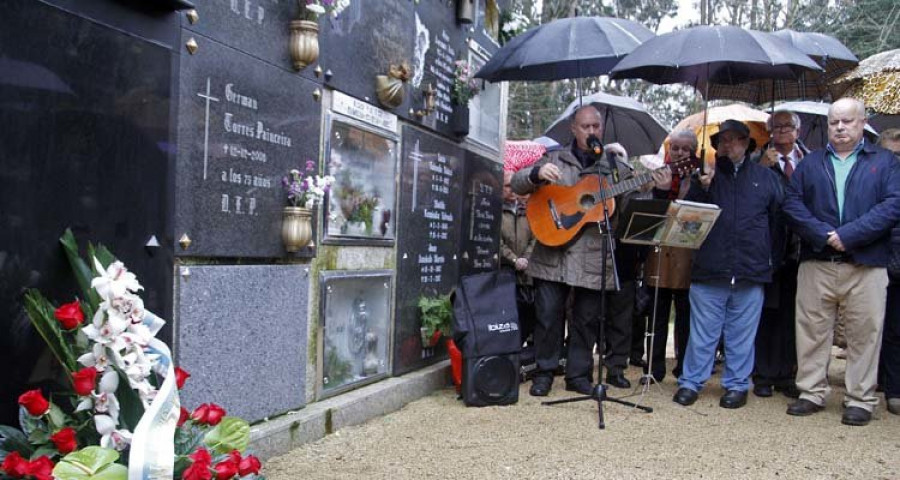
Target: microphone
[594,145]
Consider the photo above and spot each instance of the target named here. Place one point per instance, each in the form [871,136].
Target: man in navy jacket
[842,201]
[731,266]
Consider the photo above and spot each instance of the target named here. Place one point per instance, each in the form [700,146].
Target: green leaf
[56,416]
[40,312]
[131,409]
[38,436]
[48,450]
[91,463]
[12,439]
[83,271]
[232,433]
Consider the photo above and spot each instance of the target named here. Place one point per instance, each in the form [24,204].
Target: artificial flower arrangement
[122,417]
[356,205]
[464,84]
[311,9]
[304,188]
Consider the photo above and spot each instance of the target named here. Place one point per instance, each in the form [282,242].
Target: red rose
[208,414]
[34,402]
[183,416]
[42,468]
[14,465]
[83,381]
[69,315]
[226,470]
[181,376]
[248,465]
[199,470]
[65,440]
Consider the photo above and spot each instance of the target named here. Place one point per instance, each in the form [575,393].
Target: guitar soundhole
[586,202]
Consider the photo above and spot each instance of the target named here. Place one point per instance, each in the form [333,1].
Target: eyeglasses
[784,128]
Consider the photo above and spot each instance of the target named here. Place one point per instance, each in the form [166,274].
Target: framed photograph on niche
[354,329]
[361,204]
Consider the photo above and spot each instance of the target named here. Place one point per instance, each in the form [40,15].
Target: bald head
[586,122]
[846,121]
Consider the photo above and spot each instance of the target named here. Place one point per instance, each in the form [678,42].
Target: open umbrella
[627,122]
[827,52]
[753,118]
[565,48]
[814,122]
[875,81]
[707,55]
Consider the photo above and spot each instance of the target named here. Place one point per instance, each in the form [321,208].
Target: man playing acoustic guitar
[574,265]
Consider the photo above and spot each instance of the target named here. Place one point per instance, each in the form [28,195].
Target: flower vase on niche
[465,11]
[459,120]
[296,228]
[304,43]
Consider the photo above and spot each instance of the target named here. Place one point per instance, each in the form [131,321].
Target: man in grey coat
[574,267]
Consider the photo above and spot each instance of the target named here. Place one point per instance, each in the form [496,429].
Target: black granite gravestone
[259,28]
[243,124]
[85,144]
[428,231]
[481,214]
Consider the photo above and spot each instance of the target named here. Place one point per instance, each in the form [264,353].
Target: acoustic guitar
[556,213]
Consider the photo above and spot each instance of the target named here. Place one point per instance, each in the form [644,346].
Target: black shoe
[685,396]
[581,386]
[763,390]
[856,416]
[618,380]
[790,391]
[803,408]
[638,363]
[540,386]
[733,399]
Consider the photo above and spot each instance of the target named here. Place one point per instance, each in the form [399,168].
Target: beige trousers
[859,293]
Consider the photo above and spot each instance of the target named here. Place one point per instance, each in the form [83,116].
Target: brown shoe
[803,408]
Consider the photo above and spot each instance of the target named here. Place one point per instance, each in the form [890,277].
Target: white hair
[795,119]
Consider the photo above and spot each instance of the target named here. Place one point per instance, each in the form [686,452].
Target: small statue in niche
[371,362]
[359,320]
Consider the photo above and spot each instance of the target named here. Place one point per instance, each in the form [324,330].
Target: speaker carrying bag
[485,314]
[486,329]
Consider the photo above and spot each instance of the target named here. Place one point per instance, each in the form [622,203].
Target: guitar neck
[632,183]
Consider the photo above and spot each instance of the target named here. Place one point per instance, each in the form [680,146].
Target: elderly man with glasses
[776,350]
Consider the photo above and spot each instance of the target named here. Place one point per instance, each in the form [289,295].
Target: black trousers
[550,302]
[890,346]
[776,346]
[661,330]
[620,309]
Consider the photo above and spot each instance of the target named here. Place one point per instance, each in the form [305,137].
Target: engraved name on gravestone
[243,124]
[260,28]
[428,237]
[481,214]
[439,43]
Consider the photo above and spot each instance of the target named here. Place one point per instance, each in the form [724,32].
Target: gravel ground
[438,437]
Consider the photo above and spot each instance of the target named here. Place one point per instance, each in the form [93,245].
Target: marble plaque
[243,125]
[241,334]
[428,233]
[481,214]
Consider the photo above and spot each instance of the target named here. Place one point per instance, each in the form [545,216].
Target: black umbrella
[827,52]
[627,122]
[708,55]
[574,47]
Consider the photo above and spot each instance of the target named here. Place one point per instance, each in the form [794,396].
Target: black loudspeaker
[491,380]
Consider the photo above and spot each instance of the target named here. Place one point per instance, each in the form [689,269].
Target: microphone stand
[599,393]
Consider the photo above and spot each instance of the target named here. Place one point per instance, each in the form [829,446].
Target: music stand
[659,223]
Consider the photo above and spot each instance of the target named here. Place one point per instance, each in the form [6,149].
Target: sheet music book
[692,222]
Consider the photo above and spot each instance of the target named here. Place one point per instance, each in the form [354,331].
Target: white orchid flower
[316,8]
[104,424]
[114,281]
[86,403]
[107,403]
[117,439]
[109,382]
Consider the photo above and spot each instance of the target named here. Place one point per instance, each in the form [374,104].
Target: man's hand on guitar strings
[662,178]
